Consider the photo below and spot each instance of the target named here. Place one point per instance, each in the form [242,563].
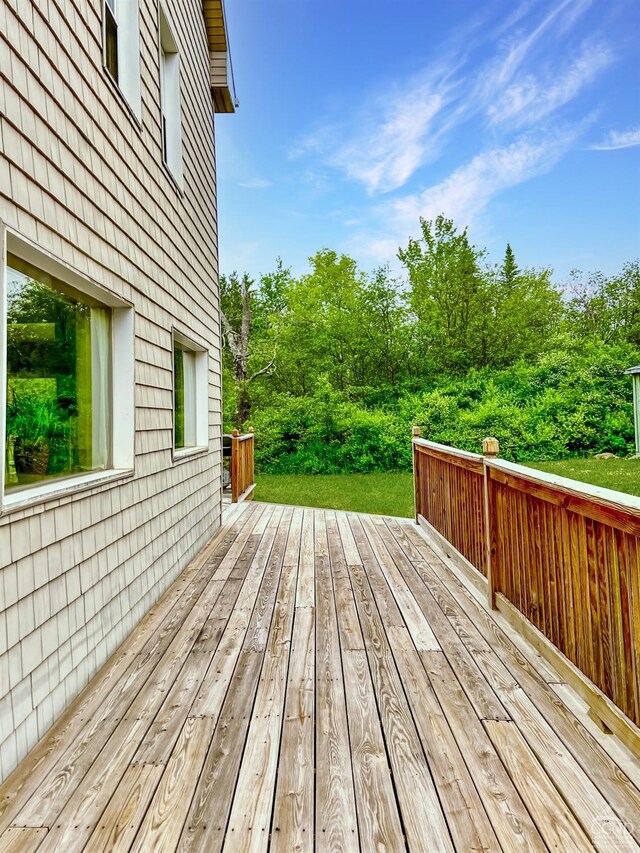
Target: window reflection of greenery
[49,431]
[178,405]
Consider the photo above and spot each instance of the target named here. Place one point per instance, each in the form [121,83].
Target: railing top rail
[244,436]
[446,449]
[595,494]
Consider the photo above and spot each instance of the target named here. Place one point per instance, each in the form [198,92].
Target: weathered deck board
[322,681]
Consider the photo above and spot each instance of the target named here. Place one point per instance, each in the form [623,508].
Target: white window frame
[127,16]
[170,105]
[122,370]
[201,354]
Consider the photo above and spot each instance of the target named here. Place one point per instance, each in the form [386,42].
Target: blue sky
[518,120]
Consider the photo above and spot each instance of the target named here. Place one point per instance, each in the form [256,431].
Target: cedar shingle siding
[82,179]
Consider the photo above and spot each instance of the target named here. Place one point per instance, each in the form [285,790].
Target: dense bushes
[567,404]
[333,367]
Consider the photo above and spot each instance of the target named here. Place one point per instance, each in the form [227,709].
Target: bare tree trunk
[238,343]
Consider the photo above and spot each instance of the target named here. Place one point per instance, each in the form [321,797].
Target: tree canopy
[334,365]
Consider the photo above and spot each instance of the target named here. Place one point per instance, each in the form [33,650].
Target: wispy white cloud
[465,194]
[530,98]
[256,184]
[398,146]
[619,139]
[528,75]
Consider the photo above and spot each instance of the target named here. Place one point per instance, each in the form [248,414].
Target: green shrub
[569,403]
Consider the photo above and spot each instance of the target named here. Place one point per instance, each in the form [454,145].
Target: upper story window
[68,353]
[170,99]
[122,48]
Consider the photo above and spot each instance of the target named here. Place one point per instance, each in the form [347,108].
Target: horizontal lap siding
[82,180]
[577,578]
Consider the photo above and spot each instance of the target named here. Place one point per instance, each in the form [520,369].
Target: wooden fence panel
[564,554]
[570,562]
[449,488]
[242,466]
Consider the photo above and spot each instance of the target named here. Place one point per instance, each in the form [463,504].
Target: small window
[58,379]
[111,38]
[190,415]
[170,100]
[122,48]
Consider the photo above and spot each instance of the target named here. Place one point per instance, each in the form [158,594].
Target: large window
[122,48]
[66,378]
[58,379]
[190,416]
[170,99]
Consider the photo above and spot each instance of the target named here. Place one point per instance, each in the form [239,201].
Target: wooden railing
[242,466]
[563,554]
[449,489]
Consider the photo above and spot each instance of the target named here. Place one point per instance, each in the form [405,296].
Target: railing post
[252,460]
[234,466]
[490,449]
[417,492]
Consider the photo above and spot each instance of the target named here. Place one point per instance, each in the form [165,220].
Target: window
[170,100]
[122,48]
[64,345]
[190,404]
[111,38]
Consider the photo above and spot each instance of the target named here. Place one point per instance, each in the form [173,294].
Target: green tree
[525,310]
[606,308]
[509,271]
[447,295]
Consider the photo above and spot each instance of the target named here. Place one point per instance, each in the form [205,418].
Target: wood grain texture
[239,718]
[558,826]
[293,818]
[422,814]
[378,818]
[21,839]
[335,808]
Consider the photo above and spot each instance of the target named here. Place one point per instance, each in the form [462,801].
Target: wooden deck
[323,680]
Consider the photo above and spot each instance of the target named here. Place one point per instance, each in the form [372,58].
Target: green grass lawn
[381,494]
[623,475]
[392,493]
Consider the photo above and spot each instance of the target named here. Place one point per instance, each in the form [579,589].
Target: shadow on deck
[323,680]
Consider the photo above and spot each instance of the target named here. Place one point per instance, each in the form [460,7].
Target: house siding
[84,180]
